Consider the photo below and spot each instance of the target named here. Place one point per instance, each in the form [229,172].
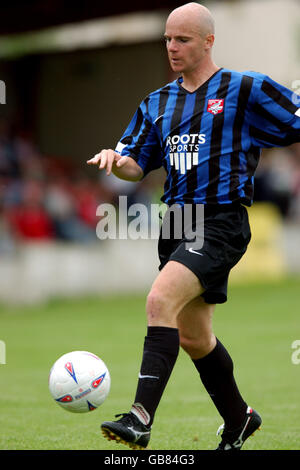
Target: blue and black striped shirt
[209,141]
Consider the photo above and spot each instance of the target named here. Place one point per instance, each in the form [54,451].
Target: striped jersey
[209,141]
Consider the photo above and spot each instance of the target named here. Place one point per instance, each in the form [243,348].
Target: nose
[172,45]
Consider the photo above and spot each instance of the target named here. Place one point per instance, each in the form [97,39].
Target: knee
[158,306]
[197,346]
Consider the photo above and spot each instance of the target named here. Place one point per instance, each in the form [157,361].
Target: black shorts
[226,236]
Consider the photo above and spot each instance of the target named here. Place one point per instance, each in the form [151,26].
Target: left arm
[275,116]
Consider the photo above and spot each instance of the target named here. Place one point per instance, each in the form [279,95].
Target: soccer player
[206,129]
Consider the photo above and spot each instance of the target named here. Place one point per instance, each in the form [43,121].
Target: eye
[182,40]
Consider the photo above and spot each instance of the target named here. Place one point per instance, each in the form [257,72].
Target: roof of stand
[18,16]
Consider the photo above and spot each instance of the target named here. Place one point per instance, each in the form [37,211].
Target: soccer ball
[79,381]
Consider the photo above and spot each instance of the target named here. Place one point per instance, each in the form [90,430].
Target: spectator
[61,205]
[30,220]
[9,164]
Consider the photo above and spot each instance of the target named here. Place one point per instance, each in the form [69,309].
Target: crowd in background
[48,198]
[277,180]
[44,198]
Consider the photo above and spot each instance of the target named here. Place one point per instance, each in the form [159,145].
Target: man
[206,129]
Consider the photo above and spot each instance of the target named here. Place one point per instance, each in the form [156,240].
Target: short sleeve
[275,116]
[141,142]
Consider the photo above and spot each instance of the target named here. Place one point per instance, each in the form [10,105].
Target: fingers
[105,160]
[94,160]
[122,161]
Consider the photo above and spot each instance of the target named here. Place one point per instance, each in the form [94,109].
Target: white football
[79,381]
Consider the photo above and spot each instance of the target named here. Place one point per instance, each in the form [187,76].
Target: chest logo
[215,106]
[184,150]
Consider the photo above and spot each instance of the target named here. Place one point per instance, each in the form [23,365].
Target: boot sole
[111,436]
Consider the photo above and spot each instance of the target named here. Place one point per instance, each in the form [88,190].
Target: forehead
[182,26]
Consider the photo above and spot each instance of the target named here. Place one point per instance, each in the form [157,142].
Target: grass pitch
[258,325]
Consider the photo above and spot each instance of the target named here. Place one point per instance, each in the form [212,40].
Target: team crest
[215,106]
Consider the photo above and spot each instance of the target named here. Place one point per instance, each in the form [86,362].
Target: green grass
[258,325]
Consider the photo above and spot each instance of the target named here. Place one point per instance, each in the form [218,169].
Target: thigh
[226,236]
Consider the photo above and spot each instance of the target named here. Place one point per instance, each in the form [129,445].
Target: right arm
[124,167]
[140,140]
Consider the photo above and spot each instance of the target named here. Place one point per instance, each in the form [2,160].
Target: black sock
[216,373]
[161,349]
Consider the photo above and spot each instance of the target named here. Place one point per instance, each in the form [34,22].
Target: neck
[194,79]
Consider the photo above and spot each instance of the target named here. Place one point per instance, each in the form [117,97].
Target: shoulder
[252,84]
[151,103]
[255,77]
[166,89]
[264,85]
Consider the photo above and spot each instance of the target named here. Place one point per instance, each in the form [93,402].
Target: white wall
[41,271]
[259,35]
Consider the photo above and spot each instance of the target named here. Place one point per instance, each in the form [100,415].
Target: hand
[106,159]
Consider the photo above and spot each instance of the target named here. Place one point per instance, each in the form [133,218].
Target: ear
[209,41]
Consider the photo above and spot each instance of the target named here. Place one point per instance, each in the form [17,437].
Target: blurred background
[74,73]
